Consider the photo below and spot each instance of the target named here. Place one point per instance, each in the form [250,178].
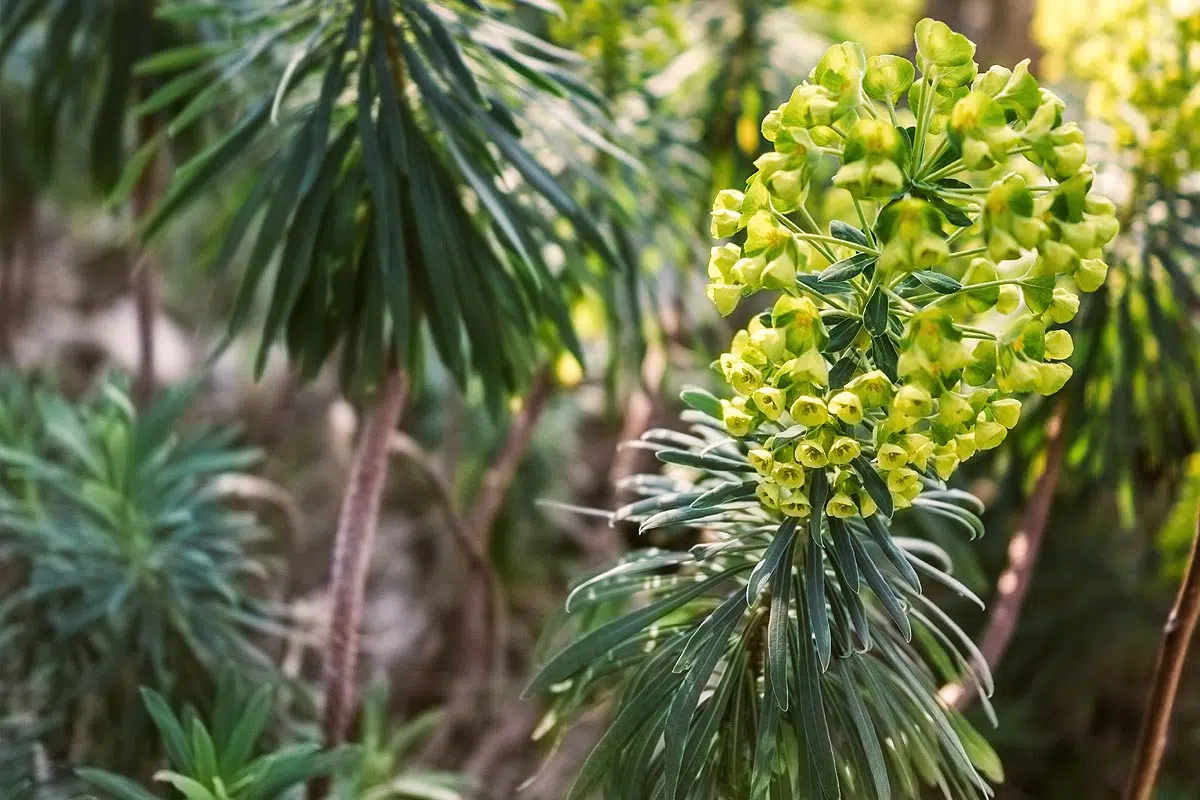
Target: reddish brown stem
[352,550]
[1023,551]
[143,278]
[1172,653]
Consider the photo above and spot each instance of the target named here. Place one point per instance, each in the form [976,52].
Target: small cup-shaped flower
[809,411]
[945,459]
[1006,411]
[1008,299]
[843,450]
[764,236]
[780,272]
[768,494]
[964,445]
[748,271]
[724,296]
[840,71]
[948,55]
[911,230]
[978,126]
[846,406]
[913,400]
[1051,377]
[888,77]
[954,411]
[869,160]
[919,448]
[770,401]
[810,106]
[788,475]
[811,455]
[772,342]
[1090,274]
[721,260]
[745,378]
[737,419]
[1059,345]
[726,213]
[988,433]
[874,389]
[841,506]
[808,367]
[795,312]
[900,481]
[891,456]
[795,504]
[1009,223]
[983,299]
[1064,306]
[866,504]
[762,460]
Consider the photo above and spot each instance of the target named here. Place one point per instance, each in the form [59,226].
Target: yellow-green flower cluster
[869,366]
[1140,60]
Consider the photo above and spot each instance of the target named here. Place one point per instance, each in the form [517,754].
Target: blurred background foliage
[135,549]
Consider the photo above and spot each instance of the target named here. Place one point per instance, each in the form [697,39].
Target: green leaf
[877,526]
[580,654]
[866,733]
[809,715]
[181,57]
[978,750]
[842,371]
[772,559]
[677,516]
[118,786]
[735,605]
[683,705]
[630,719]
[882,589]
[190,788]
[842,335]
[712,463]
[239,749]
[634,564]
[814,596]
[204,753]
[703,401]
[942,284]
[844,552]
[847,268]
[875,312]
[875,485]
[726,492]
[778,630]
[173,738]
[883,353]
[848,233]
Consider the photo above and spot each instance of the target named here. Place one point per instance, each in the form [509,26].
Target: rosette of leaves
[224,754]
[854,397]
[130,568]
[79,64]
[382,768]
[393,188]
[777,657]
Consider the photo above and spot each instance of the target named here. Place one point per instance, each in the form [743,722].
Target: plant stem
[1023,551]
[352,549]
[488,503]
[143,278]
[1177,634]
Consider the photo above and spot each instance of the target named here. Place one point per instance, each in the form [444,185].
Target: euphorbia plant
[893,350]
[405,211]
